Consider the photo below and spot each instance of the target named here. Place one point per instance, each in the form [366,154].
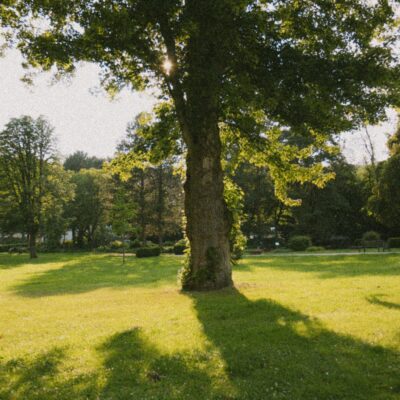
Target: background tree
[154,180]
[394,141]
[122,215]
[25,153]
[81,160]
[264,212]
[316,68]
[89,210]
[58,194]
[384,203]
[335,210]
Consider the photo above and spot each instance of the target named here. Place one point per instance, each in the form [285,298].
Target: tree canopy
[26,152]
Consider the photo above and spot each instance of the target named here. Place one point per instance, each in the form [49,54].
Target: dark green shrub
[371,236]
[135,244]
[167,249]
[299,243]
[339,242]
[180,247]
[148,252]
[394,242]
[255,251]
[103,249]
[4,248]
[315,248]
[18,249]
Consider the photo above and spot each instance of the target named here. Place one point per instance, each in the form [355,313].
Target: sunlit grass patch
[88,327]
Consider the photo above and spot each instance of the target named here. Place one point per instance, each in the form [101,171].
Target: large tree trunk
[208,218]
[32,245]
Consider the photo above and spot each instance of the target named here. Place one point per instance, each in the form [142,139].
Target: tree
[335,210]
[81,160]
[122,215]
[384,203]
[25,153]
[58,194]
[394,141]
[264,211]
[153,178]
[89,210]
[260,68]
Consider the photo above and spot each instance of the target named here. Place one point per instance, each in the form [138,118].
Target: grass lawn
[86,327]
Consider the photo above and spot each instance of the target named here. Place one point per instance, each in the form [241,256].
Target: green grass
[87,327]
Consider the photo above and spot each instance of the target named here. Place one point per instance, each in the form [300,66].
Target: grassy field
[87,327]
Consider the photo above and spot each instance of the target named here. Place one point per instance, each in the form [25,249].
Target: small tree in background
[384,203]
[122,215]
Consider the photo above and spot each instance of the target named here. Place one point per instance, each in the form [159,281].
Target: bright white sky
[82,121]
[95,124]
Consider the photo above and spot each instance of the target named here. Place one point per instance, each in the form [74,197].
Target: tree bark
[208,218]
[32,245]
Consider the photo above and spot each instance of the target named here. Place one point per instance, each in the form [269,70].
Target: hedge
[394,242]
[180,247]
[299,243]
[148,252]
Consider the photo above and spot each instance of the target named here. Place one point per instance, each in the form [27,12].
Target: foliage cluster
[394,243]
[143,252]
[299,243]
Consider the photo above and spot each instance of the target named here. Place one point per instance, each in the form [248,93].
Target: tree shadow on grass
[377,300]
[9,261]
[133,368]
[265,351]
[88,273]
[273,352]
[40,378]
[136,369]
[330,266]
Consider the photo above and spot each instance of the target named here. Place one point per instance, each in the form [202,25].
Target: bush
[371,236]
[394,242]
[117,244]
[315,248]
[180,247]
[4,248]
[148,252]
[135,244]
[299,243]
[167,249]
[339,242]
[18,249]
[104,249]
[255,251]
[68,244]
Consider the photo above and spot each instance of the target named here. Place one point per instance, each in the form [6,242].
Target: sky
[82,120]
[95,124]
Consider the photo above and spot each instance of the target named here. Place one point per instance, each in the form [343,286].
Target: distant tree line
[130,201]
[44,200]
